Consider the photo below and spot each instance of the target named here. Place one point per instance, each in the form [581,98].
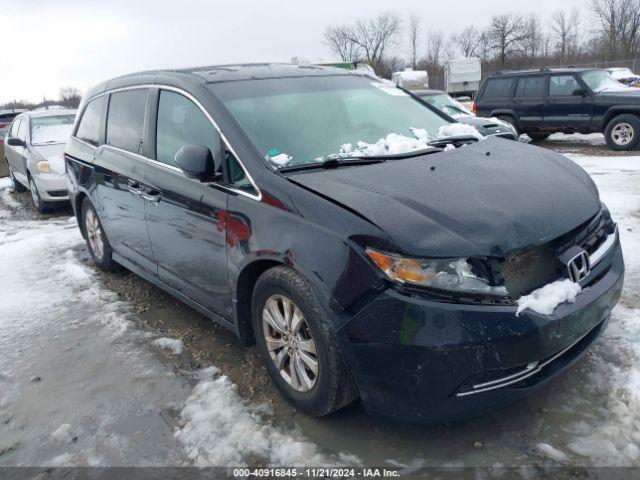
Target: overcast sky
[52,43]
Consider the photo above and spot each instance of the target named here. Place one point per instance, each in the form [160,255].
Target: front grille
[57,193]
[533,268]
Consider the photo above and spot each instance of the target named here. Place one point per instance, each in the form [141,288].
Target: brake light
[474,108]
[2,125]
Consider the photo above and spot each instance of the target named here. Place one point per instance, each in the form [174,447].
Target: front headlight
[43,167]
[452,274]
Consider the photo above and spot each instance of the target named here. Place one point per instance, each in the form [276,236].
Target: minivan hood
[489,198]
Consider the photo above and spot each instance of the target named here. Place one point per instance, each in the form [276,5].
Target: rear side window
[180,123]
[498,88]
[563,85]
[89,127]
[531,87]
[125,119]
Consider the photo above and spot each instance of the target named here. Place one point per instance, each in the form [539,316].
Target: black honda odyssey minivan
[367,245]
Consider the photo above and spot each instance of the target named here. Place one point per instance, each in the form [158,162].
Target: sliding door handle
[152,196]
[135,188]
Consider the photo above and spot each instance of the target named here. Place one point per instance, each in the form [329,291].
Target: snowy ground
[81,384]
[84,382]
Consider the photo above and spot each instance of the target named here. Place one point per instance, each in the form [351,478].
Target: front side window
[531,87]
[296,121]
[125,119]
[91,121]
[53,129]
[180,123]
[498,88]
[563,85]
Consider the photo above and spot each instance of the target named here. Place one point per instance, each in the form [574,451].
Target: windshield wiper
[457,141]
[332,163]
[359,160]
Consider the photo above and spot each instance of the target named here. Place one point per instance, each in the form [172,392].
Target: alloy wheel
[622,134]
[289,343]
[94,233]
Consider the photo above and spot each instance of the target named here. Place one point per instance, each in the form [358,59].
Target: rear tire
[16,186]
[511,121]
[97,242]
[538,137]
[284,341]
[623,132]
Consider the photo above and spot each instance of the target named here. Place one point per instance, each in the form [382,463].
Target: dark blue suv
[569,100]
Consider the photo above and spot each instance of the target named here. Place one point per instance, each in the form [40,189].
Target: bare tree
[507,33]
[70,97]
[435,48]
[534,37]
[415,23]
[468,41]
[338,39]
[565,28]
[620,25]
[369,38]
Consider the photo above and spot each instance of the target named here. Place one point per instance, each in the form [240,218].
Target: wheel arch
[245,286]
[619,110]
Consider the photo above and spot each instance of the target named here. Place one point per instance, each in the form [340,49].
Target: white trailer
[411,79]
[462,76]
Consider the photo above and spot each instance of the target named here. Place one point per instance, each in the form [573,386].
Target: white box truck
[462,76]
[411,79]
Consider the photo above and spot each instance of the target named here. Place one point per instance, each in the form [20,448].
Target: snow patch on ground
[175,345]
[8,197]
[102,396]
[219,428]
[551,452]
[546,299]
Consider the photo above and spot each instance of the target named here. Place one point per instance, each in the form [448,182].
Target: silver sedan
[34,147]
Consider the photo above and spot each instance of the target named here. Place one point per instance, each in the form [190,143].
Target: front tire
[623,132]
[297,344]
[97,242]
[41,205]
[538,137]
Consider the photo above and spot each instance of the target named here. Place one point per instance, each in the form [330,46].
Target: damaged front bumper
[422,360]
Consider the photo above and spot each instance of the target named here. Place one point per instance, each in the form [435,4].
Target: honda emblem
[579,266]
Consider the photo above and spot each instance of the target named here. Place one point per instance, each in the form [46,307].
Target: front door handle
[152,196]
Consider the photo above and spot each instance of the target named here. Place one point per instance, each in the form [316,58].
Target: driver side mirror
[579,92]
[16,142]
[197,162]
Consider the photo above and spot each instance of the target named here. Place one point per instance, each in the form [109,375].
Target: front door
[185,217]
[568,104]
[119,172]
